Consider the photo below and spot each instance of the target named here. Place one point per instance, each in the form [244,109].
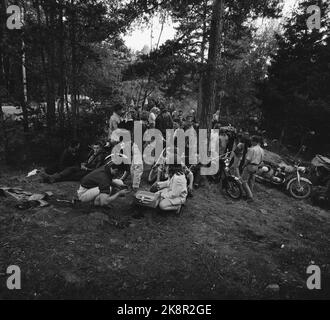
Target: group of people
[102,180]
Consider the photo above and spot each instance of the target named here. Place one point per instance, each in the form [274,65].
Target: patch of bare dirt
[217,249]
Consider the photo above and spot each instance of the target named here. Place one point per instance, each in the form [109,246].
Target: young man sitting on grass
[77,171]
[99,185]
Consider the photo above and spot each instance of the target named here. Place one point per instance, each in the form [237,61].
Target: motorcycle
[293,181]
[122,174]
[152,176]
[230,184]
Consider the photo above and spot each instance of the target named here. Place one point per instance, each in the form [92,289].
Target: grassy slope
[217,249]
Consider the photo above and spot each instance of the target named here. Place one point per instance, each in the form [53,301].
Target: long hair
[175,168]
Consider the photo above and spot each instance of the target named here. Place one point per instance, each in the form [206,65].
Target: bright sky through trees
[140,37]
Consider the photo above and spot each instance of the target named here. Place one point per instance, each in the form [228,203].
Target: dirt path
[216,249]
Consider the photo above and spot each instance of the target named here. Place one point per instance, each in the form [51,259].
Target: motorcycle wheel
[233,188]
[152,177]
[302,192]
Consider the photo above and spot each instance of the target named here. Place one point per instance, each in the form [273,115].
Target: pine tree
[296,96]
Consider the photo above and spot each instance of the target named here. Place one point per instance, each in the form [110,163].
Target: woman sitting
[174,191]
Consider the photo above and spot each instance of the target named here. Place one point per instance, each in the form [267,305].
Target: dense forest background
[68,65]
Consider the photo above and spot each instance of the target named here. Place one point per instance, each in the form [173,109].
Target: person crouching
[174,191]
[98,186]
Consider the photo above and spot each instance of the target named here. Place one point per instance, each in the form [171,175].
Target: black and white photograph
[165,150]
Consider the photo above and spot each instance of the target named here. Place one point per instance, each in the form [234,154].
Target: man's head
[189,121]
[119,109]
[239,138]
[114,169]
[176,125]
[161,105]
[255,140]
[97,147]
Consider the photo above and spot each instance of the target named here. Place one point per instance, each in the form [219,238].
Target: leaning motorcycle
[293,180]
[230,184]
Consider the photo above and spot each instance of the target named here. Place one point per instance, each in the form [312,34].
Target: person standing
[164,121]
[136,167]
[215,118]
[115,120]
[223,137]
[152,117]
[238,155]
[253,160]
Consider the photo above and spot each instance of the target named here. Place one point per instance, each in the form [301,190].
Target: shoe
[54,178]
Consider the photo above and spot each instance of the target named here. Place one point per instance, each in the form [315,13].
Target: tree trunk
[51,96]
[3,91]
[61,68]
[48,67]
[73,90]
[209,77]
[202,53]
[24,100]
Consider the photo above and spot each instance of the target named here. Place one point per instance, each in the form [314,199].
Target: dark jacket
[95,161]
[68,159]
[164,121]
[100,177]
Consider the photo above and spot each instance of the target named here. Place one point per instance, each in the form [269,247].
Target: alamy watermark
[314,20]
[14,21]
[171,146]
[314,280]
[14,279]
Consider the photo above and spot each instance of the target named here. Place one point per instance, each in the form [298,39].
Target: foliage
[296,96]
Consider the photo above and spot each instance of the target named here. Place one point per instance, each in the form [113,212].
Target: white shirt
[255,155]
[115,119]
[176,187]
[152,118]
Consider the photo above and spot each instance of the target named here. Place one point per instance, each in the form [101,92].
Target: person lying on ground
[174,191]
[70,158]
[95,160]
[100,186]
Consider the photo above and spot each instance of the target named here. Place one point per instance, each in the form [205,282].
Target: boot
[45,177]
[54,178]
